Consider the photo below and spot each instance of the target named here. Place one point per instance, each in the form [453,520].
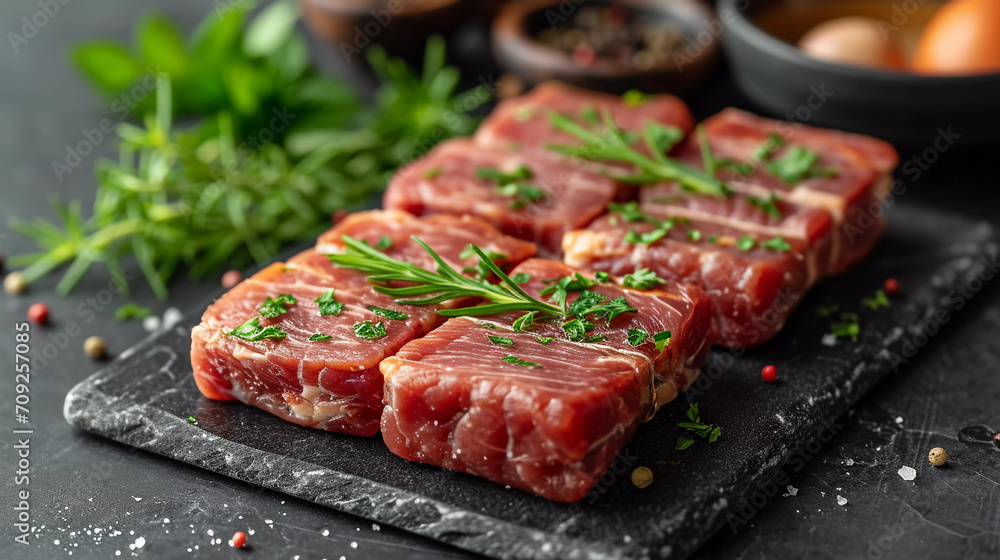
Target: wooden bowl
[400,26]
[519,51]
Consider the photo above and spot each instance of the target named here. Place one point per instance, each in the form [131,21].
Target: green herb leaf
[517,361]
[877,301]
[745,243]
[524,322]
[633,97]
[683,442]
[848,327]
[777,244]
[662,339]
[544,339]
[576,329]
[500,340]
[521,278]
[797,164]
[768,205]
[390,314]
[827,310]
[252,331]
[328,304]
[432,173]
[319,337]
[272,308]
[132,311]
[602,277]
[270,29]
[637,336]
[369,331]
[642,279]
[694,235]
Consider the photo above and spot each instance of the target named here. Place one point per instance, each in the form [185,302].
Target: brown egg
[857,41]
[961,39]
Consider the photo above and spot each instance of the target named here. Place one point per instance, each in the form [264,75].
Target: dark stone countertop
[81,483]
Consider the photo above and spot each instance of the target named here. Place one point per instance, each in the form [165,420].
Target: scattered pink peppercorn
[38,313]
[769,374]
[891,286]
[996,440]
[231,278]
[239,539]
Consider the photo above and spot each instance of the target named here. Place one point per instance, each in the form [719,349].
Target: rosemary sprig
[614,145]
[443,285]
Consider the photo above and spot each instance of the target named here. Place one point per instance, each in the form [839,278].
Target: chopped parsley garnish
[390,314]
[573,283]
[432,172]
[642,279]
[319,336]
[695,427]
[272,308]
[713,239]
[369,331]
[512,184]
[488,326]
[524,322]
[661,339]
[595,338]
[764,151]
[777,244]
[500,340]
[768,205]
[637,336]
[519,362]
[252,331]
[383,243]
[629,211]
[694,235]
[877,301]
[745,243]
[544,339]
[590,115]
[328,304]
[592,303]
[577,329]
[797,164]
[521,278]
[649,237]
[602,277]
[192,419]
[827,310]
[848,327]
[633,97]
[132,311]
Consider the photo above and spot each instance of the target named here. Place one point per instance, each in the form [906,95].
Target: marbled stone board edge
[675,527]
[150,429]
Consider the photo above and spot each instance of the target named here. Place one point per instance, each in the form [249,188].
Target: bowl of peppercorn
[613,46]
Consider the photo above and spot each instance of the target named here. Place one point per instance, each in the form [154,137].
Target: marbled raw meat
[752,291]
[335,384]
[446,182]
[552,430]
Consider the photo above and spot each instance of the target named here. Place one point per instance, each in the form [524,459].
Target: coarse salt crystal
[907,473]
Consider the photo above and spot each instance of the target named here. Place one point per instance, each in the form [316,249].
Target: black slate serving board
[144,399]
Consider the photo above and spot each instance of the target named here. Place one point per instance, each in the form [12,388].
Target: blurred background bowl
[519,49]
[897,105]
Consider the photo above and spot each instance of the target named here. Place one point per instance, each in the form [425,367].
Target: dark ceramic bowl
[401,26]
[900,107]
[518,51]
